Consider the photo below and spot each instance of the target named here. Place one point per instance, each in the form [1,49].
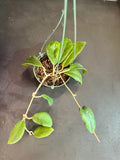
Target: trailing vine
[61,56]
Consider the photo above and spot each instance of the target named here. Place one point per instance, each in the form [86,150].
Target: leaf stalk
[96,137]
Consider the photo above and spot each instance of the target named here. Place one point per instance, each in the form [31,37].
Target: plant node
[26,117]
[33,94]
[31,133]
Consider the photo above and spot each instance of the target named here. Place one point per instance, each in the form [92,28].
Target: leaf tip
[80,82]
[85,42]
[85,71]
[24,64]
[8,142]
[52,129]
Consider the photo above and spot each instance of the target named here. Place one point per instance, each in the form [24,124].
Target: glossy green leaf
[49,99]
[75,66]
[43,119]
[70,58]
[67,47]
[17,132]
[74,73]
[32,60]
[88,118]
[53,49]
[41,132]
[78,66]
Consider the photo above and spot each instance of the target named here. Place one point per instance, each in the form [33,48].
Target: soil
[49,69]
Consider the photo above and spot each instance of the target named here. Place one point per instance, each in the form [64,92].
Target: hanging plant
[54,68]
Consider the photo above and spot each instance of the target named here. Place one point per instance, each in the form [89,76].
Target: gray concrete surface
[24,25]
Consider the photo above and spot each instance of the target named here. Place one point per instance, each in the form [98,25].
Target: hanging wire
[63,36]
[75,24]
[52,31]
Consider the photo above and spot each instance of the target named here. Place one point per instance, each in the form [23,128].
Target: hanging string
[75,24]
[63,36]
[52,31]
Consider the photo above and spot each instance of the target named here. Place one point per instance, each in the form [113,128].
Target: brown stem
[64,71]
[77,103]
[96,136]
[29,132]
[33,95]
[73,95]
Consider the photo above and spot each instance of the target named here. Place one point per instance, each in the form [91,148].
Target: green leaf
[88,118]
[75,66]
[17,132]
[49,99]
[78,66]
[41,132]
[70,58]
[74,73]
[32,60]
[67,47]
[43,119]
[53,49]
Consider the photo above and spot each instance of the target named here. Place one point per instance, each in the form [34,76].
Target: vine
[57,56]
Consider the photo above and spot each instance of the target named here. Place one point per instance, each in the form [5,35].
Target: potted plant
[53,69]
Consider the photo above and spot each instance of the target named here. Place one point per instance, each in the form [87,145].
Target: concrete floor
[24,25]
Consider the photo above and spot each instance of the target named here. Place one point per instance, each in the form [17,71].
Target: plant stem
[64,71]
[29,132]
[38,96]
[33,95]
[53,31]
[71,92]
[77,103]
[96,136]
[44,70]
[26,117]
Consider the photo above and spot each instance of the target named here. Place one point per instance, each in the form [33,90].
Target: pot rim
[40,56]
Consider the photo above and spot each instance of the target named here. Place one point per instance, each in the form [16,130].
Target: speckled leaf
[74,73]
[53,49]
[41,132]
[32,60]
[43,119]
[88,118]
[17,132]
[49,99]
